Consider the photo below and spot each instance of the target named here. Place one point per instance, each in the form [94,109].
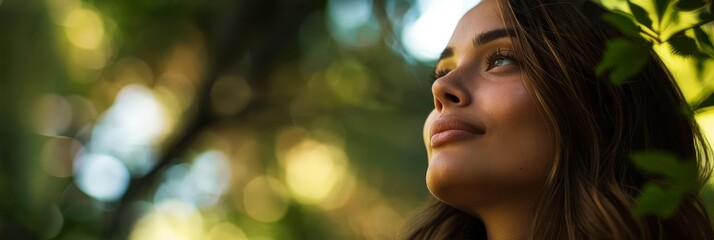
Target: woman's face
[486,137]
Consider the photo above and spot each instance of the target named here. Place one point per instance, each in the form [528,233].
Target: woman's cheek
[425,133]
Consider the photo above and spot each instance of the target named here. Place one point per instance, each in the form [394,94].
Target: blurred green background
[194,119]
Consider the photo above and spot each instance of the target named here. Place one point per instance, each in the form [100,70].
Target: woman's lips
[449,129]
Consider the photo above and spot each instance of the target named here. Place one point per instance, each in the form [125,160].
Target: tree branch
[681,31]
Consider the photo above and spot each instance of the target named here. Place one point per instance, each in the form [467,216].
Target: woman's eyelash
[499,54]
[438,74]
[490,59]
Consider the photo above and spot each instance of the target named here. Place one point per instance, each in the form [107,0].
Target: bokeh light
[84,28]
[176,89]
[201,183]
[226,230]
[84,111]
[101,176]
[132,70]
[265,199]
[52,115]
[379,221]
[227,119]
[211,173]
[349,81]
[90,58]
[170,220]
[427,35]
[138,114]
[60,9]
[352,23]
[349,13]
[314,171]
[131,127]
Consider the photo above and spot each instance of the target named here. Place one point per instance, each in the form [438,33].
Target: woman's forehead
[485,16]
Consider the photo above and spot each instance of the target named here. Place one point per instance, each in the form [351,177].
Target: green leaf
[690,5]
[658,162]
[663,199]
[703,37]
[657,201]
[680,174]
[709,101]
[705,42]
[661,8]
[683,45]
[624,58]
[640,14]
[705,16]
[622,22]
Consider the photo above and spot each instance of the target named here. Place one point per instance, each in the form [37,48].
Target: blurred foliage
[193,119]
[188,119]
[625,57]
[663,198]
[681,26]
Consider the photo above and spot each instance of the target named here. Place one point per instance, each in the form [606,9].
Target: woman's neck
[507,220]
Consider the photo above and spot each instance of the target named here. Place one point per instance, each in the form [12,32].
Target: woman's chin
[451,191]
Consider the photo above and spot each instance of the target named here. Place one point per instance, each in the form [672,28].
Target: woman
[526,141]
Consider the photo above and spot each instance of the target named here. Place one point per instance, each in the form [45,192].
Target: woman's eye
[438,74]
[500,58]
[501,61]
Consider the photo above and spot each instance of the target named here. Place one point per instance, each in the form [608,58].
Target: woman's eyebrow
[447,53]
[480,39]
[491,35]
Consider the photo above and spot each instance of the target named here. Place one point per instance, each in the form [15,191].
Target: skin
[498,175]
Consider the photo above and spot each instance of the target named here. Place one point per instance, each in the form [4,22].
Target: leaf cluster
[626,56]
[642,29]
[661,198]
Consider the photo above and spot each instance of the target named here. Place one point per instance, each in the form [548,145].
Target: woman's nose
[449,92]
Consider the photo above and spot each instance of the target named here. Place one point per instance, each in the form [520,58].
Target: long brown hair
[592,186]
